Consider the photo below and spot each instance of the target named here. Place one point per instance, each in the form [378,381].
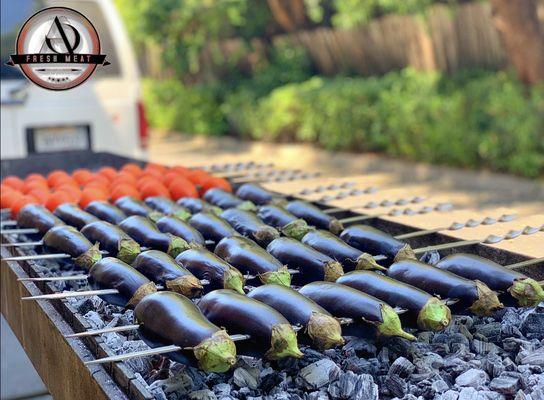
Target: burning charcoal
[362,347]
[429,362]
[352,386]
[247,378]
[494,365]
[439,386]
[533,325]
[319,373]
[396,385]
[177,385]
[506,385]
[481,347]
[402,367]
[94,319]
[534,358]
[222,389]
[202,395]
[114,340]
[490,331]
[474,378]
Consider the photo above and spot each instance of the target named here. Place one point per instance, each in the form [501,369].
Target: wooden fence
[446,38]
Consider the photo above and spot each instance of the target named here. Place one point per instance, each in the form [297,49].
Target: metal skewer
[396,212]
[373,204]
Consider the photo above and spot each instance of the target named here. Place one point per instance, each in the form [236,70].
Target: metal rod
[8,222]
[446,246]
[20,231]
[403,211]
[38,257]
[526,263]
[64,295]
[22,244]
[95,332]
[373,204]
[55,278]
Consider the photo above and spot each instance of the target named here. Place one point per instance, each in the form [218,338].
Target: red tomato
[7,198]
[151,189]
[132,168]
[64,180]
[72,191]
[20,203]
[5,189]
[124,177]
[180,170]
[53,177]
[13,182]
[123,190]
[215,182]
[91,194]
[56,199]
[34,184]
[40,194]
[36,177]
[152,167]
[108,172]
[82,176]
[182,187]
[198,176]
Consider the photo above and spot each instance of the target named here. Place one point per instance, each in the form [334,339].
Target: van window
[15,13]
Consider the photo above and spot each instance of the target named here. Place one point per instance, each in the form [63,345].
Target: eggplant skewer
[195,205]
[207,266]
[311,264]
[37,217]
[345,302]
[249,258]
[314,216]
[179,228]
[323,329]
[72,215]
[258,195]
[131,206]
[284,221]
[168,207]
[106,212]
[112,239]
[269,330]
[211,226]
[526,291]
[226,200]
[331,245]
[472,294]
[145,232]
[69,240]
[163,270]
[429,312]
[247,224]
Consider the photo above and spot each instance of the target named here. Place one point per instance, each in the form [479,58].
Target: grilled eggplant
[195,205]
[239,314]
[212,348]
[474,295]
[74,216]
[145,232]
[526,291]
[206,265]
[106,212]
[69,240]
[168,207]
[177,227]
[429,312]
[258,195]
[311,264]
[331,245]
[279,218]
[248,257]
[318,323]
[131,206]
[37,217]
[211,226]
[314,216]
[247,224]
[224,200]
[163,269]
[112,239]
[112,273]
[373,241]
[345,302]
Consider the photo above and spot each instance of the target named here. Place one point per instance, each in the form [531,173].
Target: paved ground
[466,188]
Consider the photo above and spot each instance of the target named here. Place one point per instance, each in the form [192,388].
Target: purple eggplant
[67,239]
[281,219]
[345,302]
[112,273]
[331,245]
[177,227]
[515,285]
[211,226]
[472,294]
[224,200]
[239,314]
[106,212]
[168,318]
[195,205]
[145,232]
[375,242]
[206,265]
[168,207]
[131,206]
[163,270]
[247,224]
[311,264]
[250,258]
[74,216]
[258,195]
[37,217]
[429,312]
[318,323]
[314,216]
[112,239]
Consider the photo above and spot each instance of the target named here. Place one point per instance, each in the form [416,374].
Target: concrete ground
[474,189]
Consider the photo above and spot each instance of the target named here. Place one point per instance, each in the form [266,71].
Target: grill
[41,326]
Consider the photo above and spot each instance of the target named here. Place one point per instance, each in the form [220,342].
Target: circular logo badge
[58,48]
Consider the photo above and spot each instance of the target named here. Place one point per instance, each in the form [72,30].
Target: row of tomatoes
[83,186]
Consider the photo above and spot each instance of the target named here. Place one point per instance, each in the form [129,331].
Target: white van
[103,114]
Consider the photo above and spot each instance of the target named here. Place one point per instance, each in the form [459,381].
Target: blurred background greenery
[427,80]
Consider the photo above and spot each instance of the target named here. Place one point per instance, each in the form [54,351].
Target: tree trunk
[289,14]
[522,36]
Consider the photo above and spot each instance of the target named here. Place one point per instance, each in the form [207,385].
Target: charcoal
[505,385]
[319,373]
[396,385]
[533,325]
[222,389]
[439,386]
[362,347]
[481,347]
[449,395]
[321,395]
[402,367]
[491,331]
[95,320]
[353,386]
[246,378]
[474,378]
[534,357]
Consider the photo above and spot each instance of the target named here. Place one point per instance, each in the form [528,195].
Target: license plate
[60,138]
